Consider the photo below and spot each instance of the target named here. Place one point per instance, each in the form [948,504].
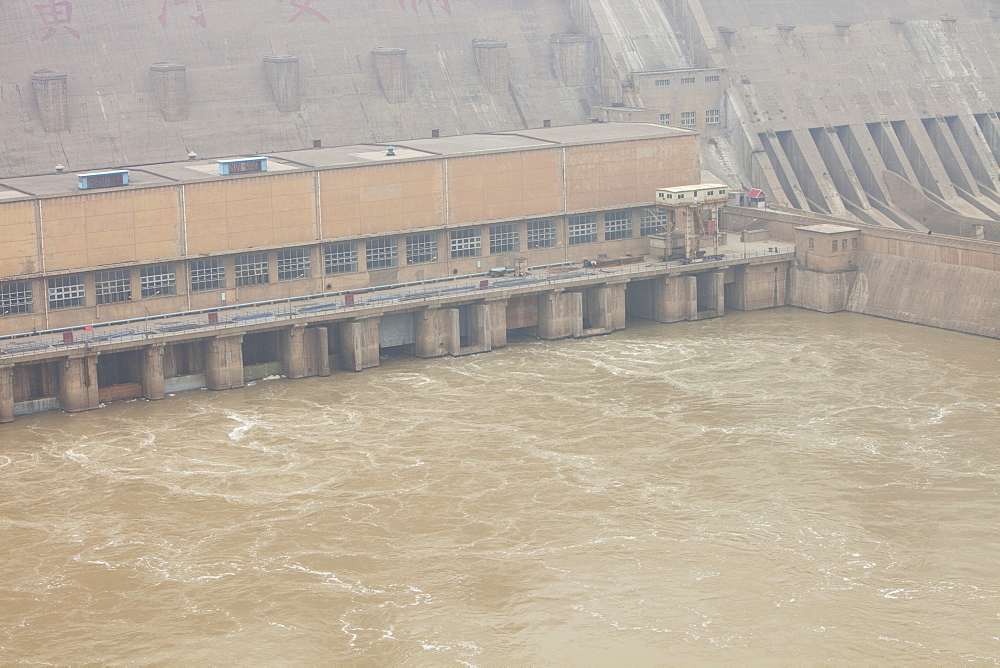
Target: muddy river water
[770,487]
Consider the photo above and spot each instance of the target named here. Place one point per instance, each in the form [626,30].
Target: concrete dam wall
[963,299]
[928,279]
[106,83]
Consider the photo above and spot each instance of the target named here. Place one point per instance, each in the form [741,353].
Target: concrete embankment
[928,279]
[964,299]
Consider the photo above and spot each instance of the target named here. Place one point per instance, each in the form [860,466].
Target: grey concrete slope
[638,35]
[113,114]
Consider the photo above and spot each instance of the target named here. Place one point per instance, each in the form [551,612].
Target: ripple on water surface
[783,486]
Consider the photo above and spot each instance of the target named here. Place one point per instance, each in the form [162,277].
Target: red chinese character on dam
[429,4]
[304,8]
[55,14]
[198,18]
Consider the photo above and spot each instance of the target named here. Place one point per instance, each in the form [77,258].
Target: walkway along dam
[138,282]
[947,282]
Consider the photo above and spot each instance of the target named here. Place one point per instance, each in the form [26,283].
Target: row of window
[205,274]
[690,118]
[708,193]
[833,242]
[712,78]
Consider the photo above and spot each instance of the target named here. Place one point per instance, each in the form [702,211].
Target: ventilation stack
[283,77]
[727,35]
[843,30]
[52,100]
[170,83]
[493,64]
[950,24]
[390,66]
[574,55]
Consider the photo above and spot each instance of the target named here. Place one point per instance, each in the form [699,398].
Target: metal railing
[354,303]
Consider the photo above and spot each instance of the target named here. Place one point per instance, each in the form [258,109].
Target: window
[466,243]
[712,117]
[712,78]
[294,263]
[582,229]
[66,291]
[812,244]
[504,239]
[251,269]
[421,248]
[15,298]
[680,196]
[843,244]
[722,191]
[663,82]
[710,193]
[340,258]
[834,245]
[113,286]
[157,280]
[617,225]
[688,118]
[687,80]
[854,243]
[208,274]
[665,119]
[541,234]
[381,253]
[652,221]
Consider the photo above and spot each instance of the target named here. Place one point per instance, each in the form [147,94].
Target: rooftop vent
[95,180]
[242,166]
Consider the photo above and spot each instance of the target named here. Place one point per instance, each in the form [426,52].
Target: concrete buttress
[560,314]
[224,362]
[6,393]
[359,347]
[152,372]
[78,383]
[293,351]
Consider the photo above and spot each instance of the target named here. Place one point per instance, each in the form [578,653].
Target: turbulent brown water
[772,487]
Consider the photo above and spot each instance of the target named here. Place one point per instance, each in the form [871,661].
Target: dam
[424,332]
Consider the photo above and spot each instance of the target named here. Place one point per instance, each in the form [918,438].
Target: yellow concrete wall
[110,228]
[600,176]
[250,212]
[18,244]
[381,198]
[504,185]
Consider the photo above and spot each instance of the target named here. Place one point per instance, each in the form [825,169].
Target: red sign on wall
[195,5]
[56,14]
[305,7]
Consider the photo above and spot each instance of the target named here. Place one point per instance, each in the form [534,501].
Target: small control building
[694,212]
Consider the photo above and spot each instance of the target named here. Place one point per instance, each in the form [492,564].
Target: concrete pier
[304,351]
[7,393]
[152,372]
[711,294]
[497,323]
[436,332]
[78,383]
[759,286]
[359,347]
[317,343]
[604,309]
[224,362]
[667,299]
[560,315]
